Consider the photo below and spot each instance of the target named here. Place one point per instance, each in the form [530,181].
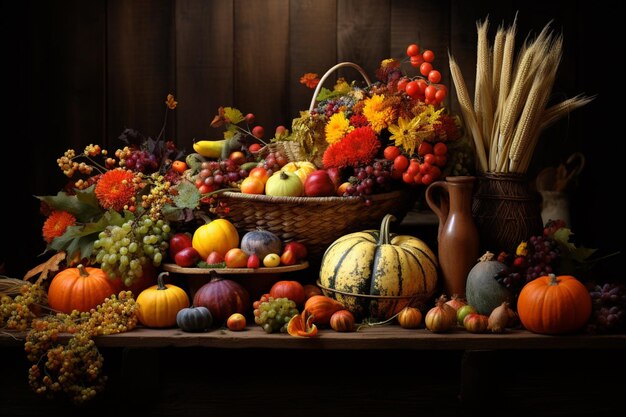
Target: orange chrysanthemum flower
[359,147]
[115,189]
[56,224]
[310,80]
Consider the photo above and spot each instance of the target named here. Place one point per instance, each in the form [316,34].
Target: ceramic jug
[458,242]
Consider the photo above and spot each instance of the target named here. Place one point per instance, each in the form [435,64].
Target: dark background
[80,72]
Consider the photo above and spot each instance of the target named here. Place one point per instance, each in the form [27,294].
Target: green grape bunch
[123,251]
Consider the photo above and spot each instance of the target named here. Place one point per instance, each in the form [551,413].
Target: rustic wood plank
[375,337]
[140,67]
[363,35]
[261,58]
[312,47]
[204,67]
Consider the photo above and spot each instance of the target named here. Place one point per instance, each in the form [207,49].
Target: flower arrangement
[387,134]
[116,209]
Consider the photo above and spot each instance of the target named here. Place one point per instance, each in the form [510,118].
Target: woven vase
[505,211]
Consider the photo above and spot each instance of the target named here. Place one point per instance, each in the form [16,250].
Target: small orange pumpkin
[322,308]
[554,305]
[81,288]
[342,321]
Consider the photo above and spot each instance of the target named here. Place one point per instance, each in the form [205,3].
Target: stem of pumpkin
[82,271]
[160,285]
[383,239]
[553,280]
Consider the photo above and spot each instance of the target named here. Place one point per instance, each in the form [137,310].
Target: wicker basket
[314,221]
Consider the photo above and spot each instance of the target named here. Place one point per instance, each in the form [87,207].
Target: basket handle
[329,72]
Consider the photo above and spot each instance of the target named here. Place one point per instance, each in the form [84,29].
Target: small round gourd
[194,319]
[284,184]
[482,290]
[262,242]
[158,305]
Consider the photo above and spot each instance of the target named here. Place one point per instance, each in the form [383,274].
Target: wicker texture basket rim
[263,198]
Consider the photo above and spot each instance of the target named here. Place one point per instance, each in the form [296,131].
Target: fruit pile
[217,245]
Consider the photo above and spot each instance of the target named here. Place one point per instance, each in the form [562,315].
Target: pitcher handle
[443,208]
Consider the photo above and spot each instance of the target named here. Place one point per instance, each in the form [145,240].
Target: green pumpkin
[194,319]
[377,263]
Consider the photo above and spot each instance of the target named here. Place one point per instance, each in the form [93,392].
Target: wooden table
[377,371]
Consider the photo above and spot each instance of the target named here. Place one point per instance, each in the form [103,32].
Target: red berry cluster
[421,170]
[427,88]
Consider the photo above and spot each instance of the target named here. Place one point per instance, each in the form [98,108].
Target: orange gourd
[159,304]
[554,305]
[81,288]
[322,308]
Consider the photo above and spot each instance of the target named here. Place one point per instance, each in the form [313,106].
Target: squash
[322,307]
[262,242]
[218,235]
[223,297]
[554,305]
[284,184]
[377,263]
[302,169]
[194,319]
[410,318]
[342,321]
[482,290]
[81,288]
[157,306]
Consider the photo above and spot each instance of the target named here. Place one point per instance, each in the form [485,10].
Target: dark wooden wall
[79,72]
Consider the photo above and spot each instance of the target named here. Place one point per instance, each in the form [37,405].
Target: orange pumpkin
[81,288]
[322,308]
[554,305]
[159,305]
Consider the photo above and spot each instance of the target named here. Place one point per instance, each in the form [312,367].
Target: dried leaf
[51,265]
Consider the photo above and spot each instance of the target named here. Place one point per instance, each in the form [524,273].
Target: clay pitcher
[457,239]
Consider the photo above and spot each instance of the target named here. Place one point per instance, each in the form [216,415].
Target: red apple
[319,184]
[178,242]
[335,176]
[214,258]
[187,257]
[297,248]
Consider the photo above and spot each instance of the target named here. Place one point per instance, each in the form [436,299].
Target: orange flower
[56,224]
[358,147]
[310,80]
[171,102]
[115,189]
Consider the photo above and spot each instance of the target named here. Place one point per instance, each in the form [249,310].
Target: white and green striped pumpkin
[376,263]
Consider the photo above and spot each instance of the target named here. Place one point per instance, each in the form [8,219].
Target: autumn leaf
[51,265]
